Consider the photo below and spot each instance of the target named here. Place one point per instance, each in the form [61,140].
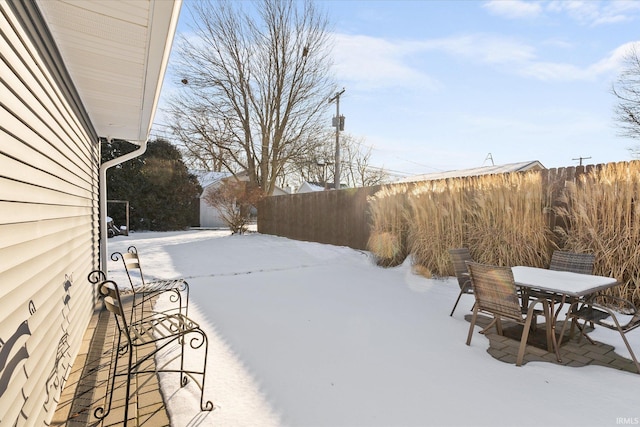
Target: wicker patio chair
[566,261]
[459,257]
[143,290]
[496,294]
[609,312]
[147,337]
[571,261]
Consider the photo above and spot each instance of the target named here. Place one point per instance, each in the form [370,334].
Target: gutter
[103,199]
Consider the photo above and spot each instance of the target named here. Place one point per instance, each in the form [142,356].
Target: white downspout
[103,199]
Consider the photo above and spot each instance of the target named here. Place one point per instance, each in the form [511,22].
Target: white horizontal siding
[49,160]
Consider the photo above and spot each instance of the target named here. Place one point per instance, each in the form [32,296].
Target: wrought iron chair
[149,336]
[143,291]
[607,311]
[496,294]
[459,257]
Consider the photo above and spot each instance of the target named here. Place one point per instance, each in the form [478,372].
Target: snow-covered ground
[305,334]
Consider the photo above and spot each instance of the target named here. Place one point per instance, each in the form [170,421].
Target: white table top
[561,282]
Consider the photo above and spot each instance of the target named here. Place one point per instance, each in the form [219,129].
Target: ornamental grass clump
[388,236]
[603,214]
[506,222]
[436,224]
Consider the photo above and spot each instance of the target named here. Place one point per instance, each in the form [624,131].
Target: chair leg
[575,323]
[183,377]
[196,343]
[489,326]
[572,328]
[626,342]
[208,405]
[633,356]
[101,412]
[523,341]
[548,326]
[564,326]
[582,331]
[186,302]
[473,323]
[456,304]
[128,390]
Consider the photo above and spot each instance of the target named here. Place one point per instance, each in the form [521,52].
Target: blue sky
[438,85]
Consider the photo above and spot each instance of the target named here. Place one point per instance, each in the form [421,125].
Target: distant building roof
[484,170]
[206,178]
[308,187]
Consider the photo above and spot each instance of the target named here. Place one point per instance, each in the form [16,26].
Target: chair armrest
[531,308]
[613,303]
[611,312]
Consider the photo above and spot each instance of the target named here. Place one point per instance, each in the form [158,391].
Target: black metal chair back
[144,291]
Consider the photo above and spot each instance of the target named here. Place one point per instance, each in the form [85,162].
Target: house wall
[49,160]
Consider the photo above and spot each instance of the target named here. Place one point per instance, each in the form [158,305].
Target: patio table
[560,286]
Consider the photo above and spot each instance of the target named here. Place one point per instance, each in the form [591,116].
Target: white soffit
[116,52]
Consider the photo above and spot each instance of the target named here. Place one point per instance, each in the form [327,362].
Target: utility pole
[338,122]
[581,159]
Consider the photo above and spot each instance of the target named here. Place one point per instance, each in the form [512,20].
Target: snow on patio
[305,334]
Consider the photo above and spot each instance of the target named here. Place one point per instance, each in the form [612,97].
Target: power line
[420,164]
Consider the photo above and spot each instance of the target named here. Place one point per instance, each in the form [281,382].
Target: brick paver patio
[85,389]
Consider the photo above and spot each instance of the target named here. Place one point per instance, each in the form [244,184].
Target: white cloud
[513,9]
[483,48]
[594,13]
[368,62]
[614,61]
[567,72]
[373,63]
[559,43]
[585,12]
[554,71]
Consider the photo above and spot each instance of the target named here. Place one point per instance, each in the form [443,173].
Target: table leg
[553,316]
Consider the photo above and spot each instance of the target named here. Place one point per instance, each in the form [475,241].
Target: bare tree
[314,165]
[317,165]
[356,165]
[627,90]
[234,201]
[256,86]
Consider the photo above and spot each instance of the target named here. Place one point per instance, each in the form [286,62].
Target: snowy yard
[305,334]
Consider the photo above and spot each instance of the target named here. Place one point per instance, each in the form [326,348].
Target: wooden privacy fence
[335,217]
[343,218]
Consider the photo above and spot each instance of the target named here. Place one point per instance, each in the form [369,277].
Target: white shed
[209,216]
